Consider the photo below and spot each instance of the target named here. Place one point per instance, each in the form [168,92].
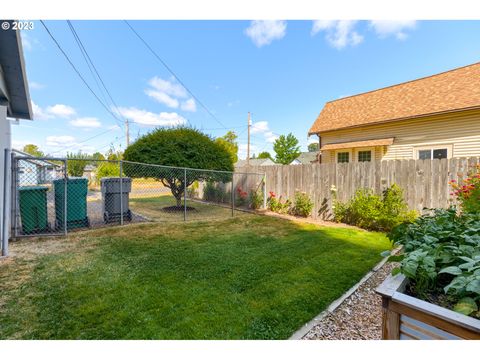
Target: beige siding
[461,131]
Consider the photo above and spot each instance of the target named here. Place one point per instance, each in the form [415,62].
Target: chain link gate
[47,200]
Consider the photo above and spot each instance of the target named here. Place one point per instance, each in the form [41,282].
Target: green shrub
[442,254]
[215,192]
[302,205]
[374,212]
[256,199]
[107,169]
[277,204]
[76,163]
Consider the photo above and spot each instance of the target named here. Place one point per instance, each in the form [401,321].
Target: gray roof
[13,78]
[307,157]
[254,162]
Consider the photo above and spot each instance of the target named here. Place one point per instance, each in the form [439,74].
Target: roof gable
[445,92]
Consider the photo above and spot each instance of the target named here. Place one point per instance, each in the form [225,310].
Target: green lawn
[251,277]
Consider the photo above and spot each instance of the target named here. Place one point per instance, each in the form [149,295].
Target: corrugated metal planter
[405,317]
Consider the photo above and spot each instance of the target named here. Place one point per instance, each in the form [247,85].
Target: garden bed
[405,317]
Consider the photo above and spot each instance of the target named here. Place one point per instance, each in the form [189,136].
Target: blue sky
[283,72]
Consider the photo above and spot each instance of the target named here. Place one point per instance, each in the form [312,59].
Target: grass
[254,277]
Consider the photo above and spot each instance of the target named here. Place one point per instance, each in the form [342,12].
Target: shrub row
[301,206]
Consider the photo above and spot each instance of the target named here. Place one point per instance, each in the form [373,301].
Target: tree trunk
[179,200]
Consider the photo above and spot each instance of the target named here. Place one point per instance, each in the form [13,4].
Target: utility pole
[127,132]
[248,143]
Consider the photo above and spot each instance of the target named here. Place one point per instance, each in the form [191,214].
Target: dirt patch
[310,220]
[180,208]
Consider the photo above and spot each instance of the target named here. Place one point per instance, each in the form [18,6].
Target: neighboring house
[89,172]
[32,171]
[15,104]
[254,162]
[433,117]
[305,158]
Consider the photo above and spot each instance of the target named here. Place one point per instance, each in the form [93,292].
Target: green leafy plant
[442,254]
[107,169]
[180,147]
[256,199]
[277,204]
[302,205]
[215,192]
[76,163]
[373,212]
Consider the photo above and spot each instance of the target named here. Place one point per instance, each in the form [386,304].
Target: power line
[174,75]
[83,141]
[87,56]
[78,72]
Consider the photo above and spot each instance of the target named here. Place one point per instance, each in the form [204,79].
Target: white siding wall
[462,131]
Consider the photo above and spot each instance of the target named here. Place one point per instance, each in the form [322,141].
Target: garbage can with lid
[112,198]
[33,209]
[77,189]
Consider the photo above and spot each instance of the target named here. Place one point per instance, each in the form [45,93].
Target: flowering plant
[241,197]
[277,205]
[467,191]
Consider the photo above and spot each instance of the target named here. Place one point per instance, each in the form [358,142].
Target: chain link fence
[55,196]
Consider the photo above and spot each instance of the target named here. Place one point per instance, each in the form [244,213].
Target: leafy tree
[229,142]
[97,156]
[286,149]
[313,147]
[76,163]
[179,147]
[264,155]
[33,150]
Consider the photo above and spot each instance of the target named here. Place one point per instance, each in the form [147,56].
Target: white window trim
[449,148]
[350,157]
[371,149]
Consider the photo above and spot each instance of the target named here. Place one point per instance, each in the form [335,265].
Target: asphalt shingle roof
[444,92]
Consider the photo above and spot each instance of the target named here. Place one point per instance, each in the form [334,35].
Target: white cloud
[39,113]
[162,98]
[263,32]
[339,33]
[259,127]
[270,137]
[189,105]
[397,28]
[35,85]
[168,92]
[60,141]
[148,118]
[86,122]
[61,110]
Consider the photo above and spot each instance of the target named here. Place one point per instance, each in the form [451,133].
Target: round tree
[175,149]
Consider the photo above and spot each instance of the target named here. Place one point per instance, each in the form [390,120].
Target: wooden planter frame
[405,317]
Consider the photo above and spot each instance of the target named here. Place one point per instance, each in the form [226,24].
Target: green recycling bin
[77,189]
[33,209]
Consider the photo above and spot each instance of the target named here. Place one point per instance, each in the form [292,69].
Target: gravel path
[359,317]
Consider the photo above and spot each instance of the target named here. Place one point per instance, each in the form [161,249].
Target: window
[365,155]
[428,154]
[343,157]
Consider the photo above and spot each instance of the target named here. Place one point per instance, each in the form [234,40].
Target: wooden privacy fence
[424,182]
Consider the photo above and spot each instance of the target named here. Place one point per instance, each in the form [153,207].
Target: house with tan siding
[433,117]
